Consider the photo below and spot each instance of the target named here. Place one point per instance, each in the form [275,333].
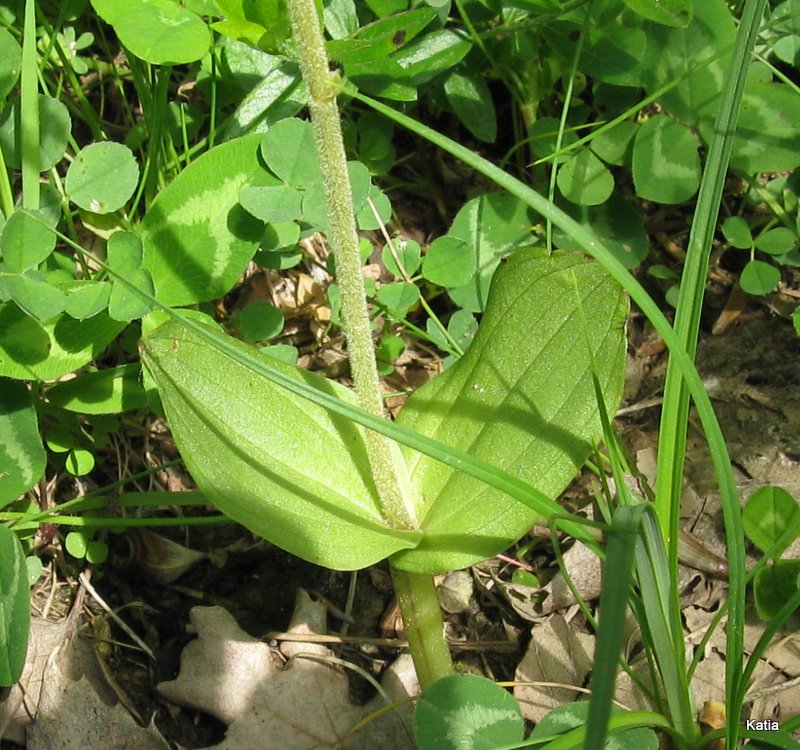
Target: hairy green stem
[416,594]
[323,86]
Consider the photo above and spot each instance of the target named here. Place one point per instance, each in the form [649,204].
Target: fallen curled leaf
[295,697]
[158,558]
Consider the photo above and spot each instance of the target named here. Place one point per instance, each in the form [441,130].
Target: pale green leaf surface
[469,96]
[197,238]
[668,12]
[774,585]
[615,146]
[161,32]
[467,712]
[493,225]
[125,304]
[35,296]
[102,177]
[124,253]
[758,277]
[584,179]
[109,391]
[272,203]
[15,615]
[290,153]
[340,18]
[737,232]
[612,54]
[521,398]
[280,93]
[449,262]
[672,52]
[286,469]
[30,350]
[25,241]
[767,138]
[617,222]
[776,241]
[398,296]
[771,513]
[86,299]
[10,62]
[22,457]
[666,165]
[432,53]
[54,131]
[408,253]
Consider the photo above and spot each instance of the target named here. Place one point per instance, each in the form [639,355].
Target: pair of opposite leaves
[521,399]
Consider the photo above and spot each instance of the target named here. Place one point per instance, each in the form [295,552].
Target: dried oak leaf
[302,705]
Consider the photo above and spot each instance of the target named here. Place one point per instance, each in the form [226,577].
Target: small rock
[455,592]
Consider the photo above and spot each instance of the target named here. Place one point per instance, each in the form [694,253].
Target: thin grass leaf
[613,605]
[654,574]
[675,410]
[29,111]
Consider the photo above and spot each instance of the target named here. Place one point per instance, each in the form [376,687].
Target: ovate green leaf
[666,165]
[258,321]
[108,391]
[30,350]
[10,63]
[675,52]
[774,585]
[521,398]
[617,222]
[15,615]
[467,712]
[493,225]
[197,238]
[432,53]
[766,137]
[737,232]
[398,296]
[759,278]
[469,96]
[290,153]
[158,31]
[776,241]
[584,179]
[285,468]
[676,13]
[25,241]
[86,298]
[770,514]
[54,131]
[35,296]
[22,457]
[102,177]
[449,262]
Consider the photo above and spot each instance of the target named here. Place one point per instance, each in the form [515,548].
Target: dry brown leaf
[585,571]
[20,704]
[557,654]
[302,705]
[62,686]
